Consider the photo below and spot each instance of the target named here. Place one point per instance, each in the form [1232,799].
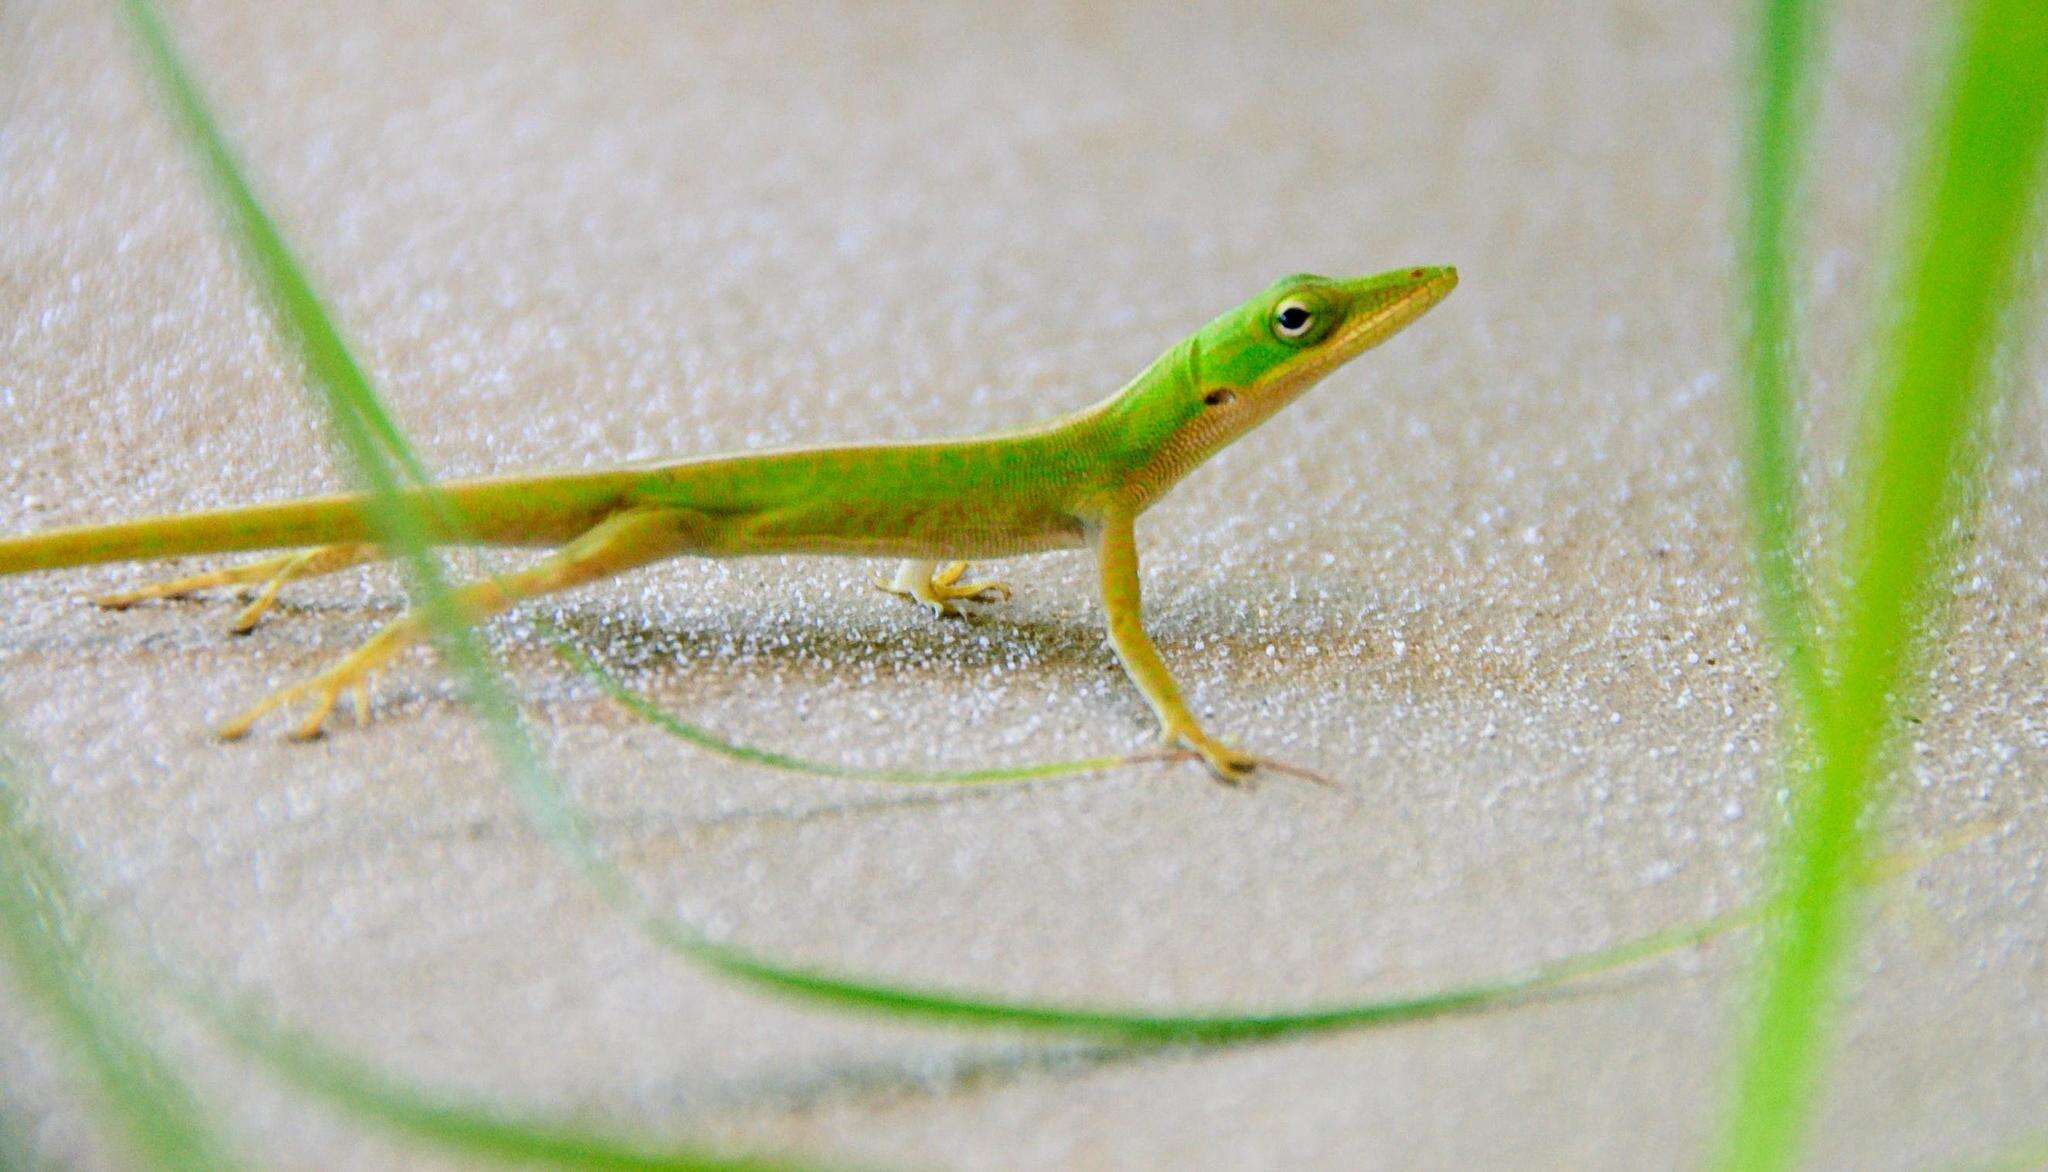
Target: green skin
[1080,480]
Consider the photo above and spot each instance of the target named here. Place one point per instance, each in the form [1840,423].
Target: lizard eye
[1292,318]
[1219,396]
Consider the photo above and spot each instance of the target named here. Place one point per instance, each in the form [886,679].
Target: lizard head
[1238,370]
[1262,355]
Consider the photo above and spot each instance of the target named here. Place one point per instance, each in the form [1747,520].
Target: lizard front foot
[939,589]
[1231,766]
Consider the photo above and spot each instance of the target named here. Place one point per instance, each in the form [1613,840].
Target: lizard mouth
[1381,313]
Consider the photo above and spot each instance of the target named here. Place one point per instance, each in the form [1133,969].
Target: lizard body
[1077,481]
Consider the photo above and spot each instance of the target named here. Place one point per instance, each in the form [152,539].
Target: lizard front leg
[1116,557]
[621,543]
[924,582]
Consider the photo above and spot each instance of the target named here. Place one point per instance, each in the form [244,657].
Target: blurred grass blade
[14,1149]
[1142,1026]
[711,742]
[381,458]
[383,461]
[378,452]
[1126,1025]
[472,1130]
[368,432]
[1971,199]
[42,947]
[2029,1155]
[1787,46]
[556,810]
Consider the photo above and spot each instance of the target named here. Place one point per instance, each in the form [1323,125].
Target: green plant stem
[371,439]
[41,946]
[1788,38]
[711,742]
[1974,192]
[473,1129]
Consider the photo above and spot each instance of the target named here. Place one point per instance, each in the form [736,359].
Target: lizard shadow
[1247,635]
[968,642]
[700,664]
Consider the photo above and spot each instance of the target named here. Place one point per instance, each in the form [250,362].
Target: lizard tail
[316,521]
[537,511]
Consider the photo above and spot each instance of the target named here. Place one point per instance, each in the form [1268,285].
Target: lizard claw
[1235,767]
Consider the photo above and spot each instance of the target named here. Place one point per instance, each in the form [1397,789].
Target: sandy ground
[1490,577]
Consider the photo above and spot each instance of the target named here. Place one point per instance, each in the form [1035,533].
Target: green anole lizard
[1080,480]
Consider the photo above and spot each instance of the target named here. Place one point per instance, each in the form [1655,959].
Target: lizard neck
[1126,451]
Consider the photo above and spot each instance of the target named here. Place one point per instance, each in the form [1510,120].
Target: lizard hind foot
[940,588]
[257,582]
[324,691]
[180,588]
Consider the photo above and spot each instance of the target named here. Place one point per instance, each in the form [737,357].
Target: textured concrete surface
[1491,576]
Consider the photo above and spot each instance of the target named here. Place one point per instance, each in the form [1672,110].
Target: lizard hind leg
[621,543]
[925,582]
[270,575]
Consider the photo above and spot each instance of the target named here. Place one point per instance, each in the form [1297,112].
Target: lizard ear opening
[1219,396]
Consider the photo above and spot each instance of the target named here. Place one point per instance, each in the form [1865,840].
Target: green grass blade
[384,462]
[372,438]
[466,1128]
[1198,1028]
[711,742]
[2028,1155]
[1973,194]
[372,441]
[378,452]
[1121,1024]
[41,944]
[949,1007]
[1212,1027]
[40,934]
[14,1150]
[555,809]
[1787,45]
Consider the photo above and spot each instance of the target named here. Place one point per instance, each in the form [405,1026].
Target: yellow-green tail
[317,521]
[545,510]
